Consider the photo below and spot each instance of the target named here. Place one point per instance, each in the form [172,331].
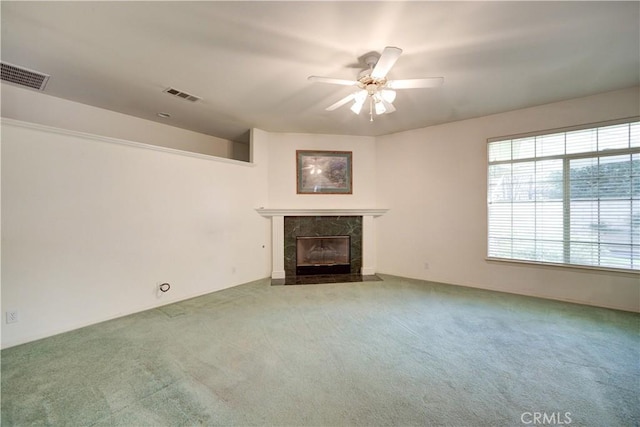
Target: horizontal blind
[569,197]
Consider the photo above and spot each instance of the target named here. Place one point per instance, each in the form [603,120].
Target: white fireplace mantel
[277,234]
[321,212]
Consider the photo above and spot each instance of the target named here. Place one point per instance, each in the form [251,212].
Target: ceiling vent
[23,76]
[181,94]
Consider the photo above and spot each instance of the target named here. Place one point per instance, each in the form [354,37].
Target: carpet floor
[393,352]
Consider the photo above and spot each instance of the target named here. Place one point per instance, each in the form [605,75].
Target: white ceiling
[249,61]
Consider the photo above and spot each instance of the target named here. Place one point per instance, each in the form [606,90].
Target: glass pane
[584,253]
[614,177]
[524,148]
[615,222]
[582,141]
[524,220]
[584,221]
[615,165]
[549,251]
[584,178]
[524,249]
[549,170]
[612,137]
[523,186]
[584,168]
[634,134]
[499,183]
[584,189]
[615,189]
[550,145]
[500,220]
[635,257]
[500,248]
[549,221]
[635,180]
[617,256]
[635,223]
[499,150]
[549,185]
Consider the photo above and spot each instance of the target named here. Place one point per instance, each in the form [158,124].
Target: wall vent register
[23,76]
[181,94]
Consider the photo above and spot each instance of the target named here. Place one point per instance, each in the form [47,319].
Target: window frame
[566,196]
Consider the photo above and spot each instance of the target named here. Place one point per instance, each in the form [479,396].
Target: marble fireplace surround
[278,235]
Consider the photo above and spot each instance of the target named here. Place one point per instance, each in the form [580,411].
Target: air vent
[23,76]
[181,94]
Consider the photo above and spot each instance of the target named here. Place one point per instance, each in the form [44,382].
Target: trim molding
[553,265]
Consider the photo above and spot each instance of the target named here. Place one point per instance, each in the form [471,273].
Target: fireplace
[301,232]
[323,255]
[287,224]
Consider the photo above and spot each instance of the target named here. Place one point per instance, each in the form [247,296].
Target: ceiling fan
[373,86]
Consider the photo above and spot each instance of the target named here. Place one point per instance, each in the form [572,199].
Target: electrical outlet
[12,316]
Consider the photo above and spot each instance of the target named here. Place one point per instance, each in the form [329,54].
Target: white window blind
[570,197]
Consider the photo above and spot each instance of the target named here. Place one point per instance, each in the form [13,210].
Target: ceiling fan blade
[389,57]
[389,107]
[340,103]
[332,81]
[415,83]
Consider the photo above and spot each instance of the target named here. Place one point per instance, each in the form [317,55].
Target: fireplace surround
[367,230]
[296,227]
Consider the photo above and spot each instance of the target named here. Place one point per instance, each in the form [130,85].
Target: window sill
[552,265]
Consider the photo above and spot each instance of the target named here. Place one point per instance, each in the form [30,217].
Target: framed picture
[324,172]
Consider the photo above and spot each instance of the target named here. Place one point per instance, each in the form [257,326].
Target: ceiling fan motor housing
[372,88]
[371,84]
[371,61]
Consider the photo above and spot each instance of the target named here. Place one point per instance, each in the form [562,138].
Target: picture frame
[324,172]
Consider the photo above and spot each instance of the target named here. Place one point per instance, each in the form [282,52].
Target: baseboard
[525,294]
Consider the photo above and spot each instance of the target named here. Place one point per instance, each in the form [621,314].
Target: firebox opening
[323,255]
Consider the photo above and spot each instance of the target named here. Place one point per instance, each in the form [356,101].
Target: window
[570,197]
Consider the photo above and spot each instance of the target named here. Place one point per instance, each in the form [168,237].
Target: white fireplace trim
[321,212]
[277,234]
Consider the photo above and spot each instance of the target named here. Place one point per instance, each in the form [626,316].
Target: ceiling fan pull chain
[370,109]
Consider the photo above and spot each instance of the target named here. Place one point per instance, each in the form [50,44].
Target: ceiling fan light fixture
[380,108]
[388,95]
[357,105]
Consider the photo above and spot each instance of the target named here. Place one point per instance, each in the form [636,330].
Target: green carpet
[394,352]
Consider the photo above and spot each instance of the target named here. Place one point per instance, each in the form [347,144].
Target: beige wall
[282,172]
[434,182]
[91,226]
